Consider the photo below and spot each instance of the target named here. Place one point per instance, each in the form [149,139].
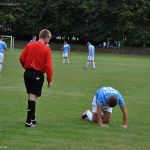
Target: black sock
[33,104]
[28,120]
[30,111]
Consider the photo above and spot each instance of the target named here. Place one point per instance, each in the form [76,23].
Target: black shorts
[34,81]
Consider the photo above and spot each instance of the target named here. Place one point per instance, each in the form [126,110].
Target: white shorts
[65,54]
[1,58]
[91,58]
[104,108]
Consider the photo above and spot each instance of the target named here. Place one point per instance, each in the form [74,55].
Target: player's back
[37,49]
[105,92]
[108,91]
[36,54]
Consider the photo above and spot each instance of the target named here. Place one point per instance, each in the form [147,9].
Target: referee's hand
[49,85]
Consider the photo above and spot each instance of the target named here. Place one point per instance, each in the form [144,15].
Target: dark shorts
[34,81]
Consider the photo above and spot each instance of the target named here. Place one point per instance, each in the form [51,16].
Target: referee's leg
[34,82]
[30,120]
[32,104]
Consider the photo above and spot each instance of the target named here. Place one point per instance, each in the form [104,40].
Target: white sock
[93,64]
[89,115]
[87,63]
[68,60]
[1,67]
[63,60]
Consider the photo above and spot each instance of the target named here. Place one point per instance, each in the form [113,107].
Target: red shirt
[37,55]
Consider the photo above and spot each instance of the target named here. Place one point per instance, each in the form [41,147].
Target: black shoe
[83,116]
[33,121]
[29,125]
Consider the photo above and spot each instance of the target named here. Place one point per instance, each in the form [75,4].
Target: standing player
[3,47]
[66,51]
[103,101]
[36,60]
[91,50]
[34,37]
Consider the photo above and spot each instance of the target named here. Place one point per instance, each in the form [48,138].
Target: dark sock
[33,104]
[30,111]
[28,120]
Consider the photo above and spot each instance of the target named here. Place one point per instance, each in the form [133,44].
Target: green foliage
[10,13]
[97,20]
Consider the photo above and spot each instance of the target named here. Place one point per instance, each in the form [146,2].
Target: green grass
[60,106]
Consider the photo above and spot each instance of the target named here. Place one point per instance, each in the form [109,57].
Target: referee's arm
[23,57]
[48,67]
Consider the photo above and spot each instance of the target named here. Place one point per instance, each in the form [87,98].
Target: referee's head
[45,35]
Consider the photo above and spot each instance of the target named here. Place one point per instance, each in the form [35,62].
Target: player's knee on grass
[94,117]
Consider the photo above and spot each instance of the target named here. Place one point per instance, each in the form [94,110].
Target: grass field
[60,106]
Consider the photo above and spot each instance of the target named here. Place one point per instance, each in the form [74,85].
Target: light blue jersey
[2,46]
[104,93]
[66,48]
[91,50]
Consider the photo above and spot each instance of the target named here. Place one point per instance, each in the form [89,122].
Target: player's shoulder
[38,44]
[47,48]
[106,90]
[116,92]
[101,90]
[31,44]
[2,42]
[92,46]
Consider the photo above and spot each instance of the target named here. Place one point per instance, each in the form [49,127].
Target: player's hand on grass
[49,85]
[124,126]
[104,125]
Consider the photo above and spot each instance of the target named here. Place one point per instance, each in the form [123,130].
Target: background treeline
[100,20]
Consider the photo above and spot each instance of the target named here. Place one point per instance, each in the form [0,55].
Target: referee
[36,59]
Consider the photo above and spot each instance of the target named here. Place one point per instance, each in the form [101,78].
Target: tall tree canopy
[127,20]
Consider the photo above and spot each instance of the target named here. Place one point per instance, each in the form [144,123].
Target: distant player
[104,45]
[104,100]
[66,51]
[34,37]
[3,47]
[91,51]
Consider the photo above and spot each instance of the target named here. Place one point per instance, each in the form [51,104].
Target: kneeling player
[103,101]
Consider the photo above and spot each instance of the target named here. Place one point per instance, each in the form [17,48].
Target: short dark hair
[65,41]
[1,37]
[44,33]
[112,101]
